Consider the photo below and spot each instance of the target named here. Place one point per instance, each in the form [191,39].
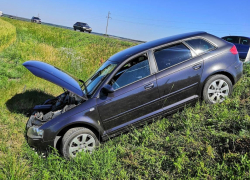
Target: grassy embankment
[202,142]
[7,34]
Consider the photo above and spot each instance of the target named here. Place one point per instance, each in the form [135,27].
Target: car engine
[53,108]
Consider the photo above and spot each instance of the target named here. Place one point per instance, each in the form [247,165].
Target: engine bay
[52,108]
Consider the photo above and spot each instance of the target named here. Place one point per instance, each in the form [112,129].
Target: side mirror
[107,89]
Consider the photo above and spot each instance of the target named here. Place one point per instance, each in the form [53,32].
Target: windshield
[99,76]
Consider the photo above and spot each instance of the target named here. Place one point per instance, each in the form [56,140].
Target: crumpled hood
[55,75]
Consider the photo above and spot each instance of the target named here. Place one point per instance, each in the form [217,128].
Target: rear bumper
[239,71]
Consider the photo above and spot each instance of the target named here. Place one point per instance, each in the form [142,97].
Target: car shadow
[23,103]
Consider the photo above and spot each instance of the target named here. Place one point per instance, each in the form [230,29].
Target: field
[201,142]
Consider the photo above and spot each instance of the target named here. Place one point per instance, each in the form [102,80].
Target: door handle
[149,86]
[196,67]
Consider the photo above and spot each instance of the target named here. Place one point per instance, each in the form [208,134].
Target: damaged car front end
[49,121]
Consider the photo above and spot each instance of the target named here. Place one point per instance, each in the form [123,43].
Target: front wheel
[78,139]
[217,88]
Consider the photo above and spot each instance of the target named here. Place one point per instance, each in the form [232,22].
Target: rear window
[232,39]
[200,46]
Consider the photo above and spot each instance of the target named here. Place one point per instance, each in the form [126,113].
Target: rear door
[179,75]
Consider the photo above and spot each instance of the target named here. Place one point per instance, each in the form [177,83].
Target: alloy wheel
[82,142]
[218,90]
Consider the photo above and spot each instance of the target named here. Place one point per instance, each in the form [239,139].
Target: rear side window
[232,39]
[200,46]
[245,41]
[171,55]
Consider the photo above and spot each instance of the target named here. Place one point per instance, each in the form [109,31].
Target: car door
[134,99]
[243,47]
[179,75]
[77,25]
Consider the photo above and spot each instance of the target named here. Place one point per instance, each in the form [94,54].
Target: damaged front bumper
[39,144]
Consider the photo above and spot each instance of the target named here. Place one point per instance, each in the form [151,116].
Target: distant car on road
[82,27]
[242,44]
[36,20]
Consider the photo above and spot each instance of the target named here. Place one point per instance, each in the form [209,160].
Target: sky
[141,19]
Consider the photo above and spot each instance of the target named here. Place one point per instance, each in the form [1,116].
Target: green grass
[200,142]
[7,34]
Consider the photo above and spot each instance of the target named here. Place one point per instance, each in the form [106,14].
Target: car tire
[217,88]
[74,29]
[89,31]
[76,140]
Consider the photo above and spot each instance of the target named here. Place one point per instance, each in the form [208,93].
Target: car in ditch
[132,87]
[82,27]
[242,44]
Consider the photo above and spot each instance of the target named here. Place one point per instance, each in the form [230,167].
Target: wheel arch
[61,133]
[227,74]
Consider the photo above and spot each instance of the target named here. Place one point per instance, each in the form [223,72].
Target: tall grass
[7,34]
[200,142]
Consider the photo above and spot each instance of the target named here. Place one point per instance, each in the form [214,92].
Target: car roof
[123,55]
[81,22]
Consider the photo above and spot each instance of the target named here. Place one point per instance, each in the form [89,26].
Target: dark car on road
[242,44]
[36,20]
[82,27]
[132,87]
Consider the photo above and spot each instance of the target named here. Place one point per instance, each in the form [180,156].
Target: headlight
[35,132]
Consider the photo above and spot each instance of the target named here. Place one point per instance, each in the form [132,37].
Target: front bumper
[39,144]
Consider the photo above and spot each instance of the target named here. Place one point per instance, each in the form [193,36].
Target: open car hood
[56,76]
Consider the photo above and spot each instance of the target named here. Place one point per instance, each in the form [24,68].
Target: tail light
[233,50]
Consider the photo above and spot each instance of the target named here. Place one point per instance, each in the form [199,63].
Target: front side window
[132,71]
[171,55]
[200,46]
[245,41]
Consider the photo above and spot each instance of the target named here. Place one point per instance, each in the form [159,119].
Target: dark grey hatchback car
[82,27]
[130,88]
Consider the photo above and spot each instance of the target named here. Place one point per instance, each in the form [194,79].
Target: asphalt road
[65,27]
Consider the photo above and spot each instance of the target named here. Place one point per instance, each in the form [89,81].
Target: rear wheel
[77,140]
[217,88]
